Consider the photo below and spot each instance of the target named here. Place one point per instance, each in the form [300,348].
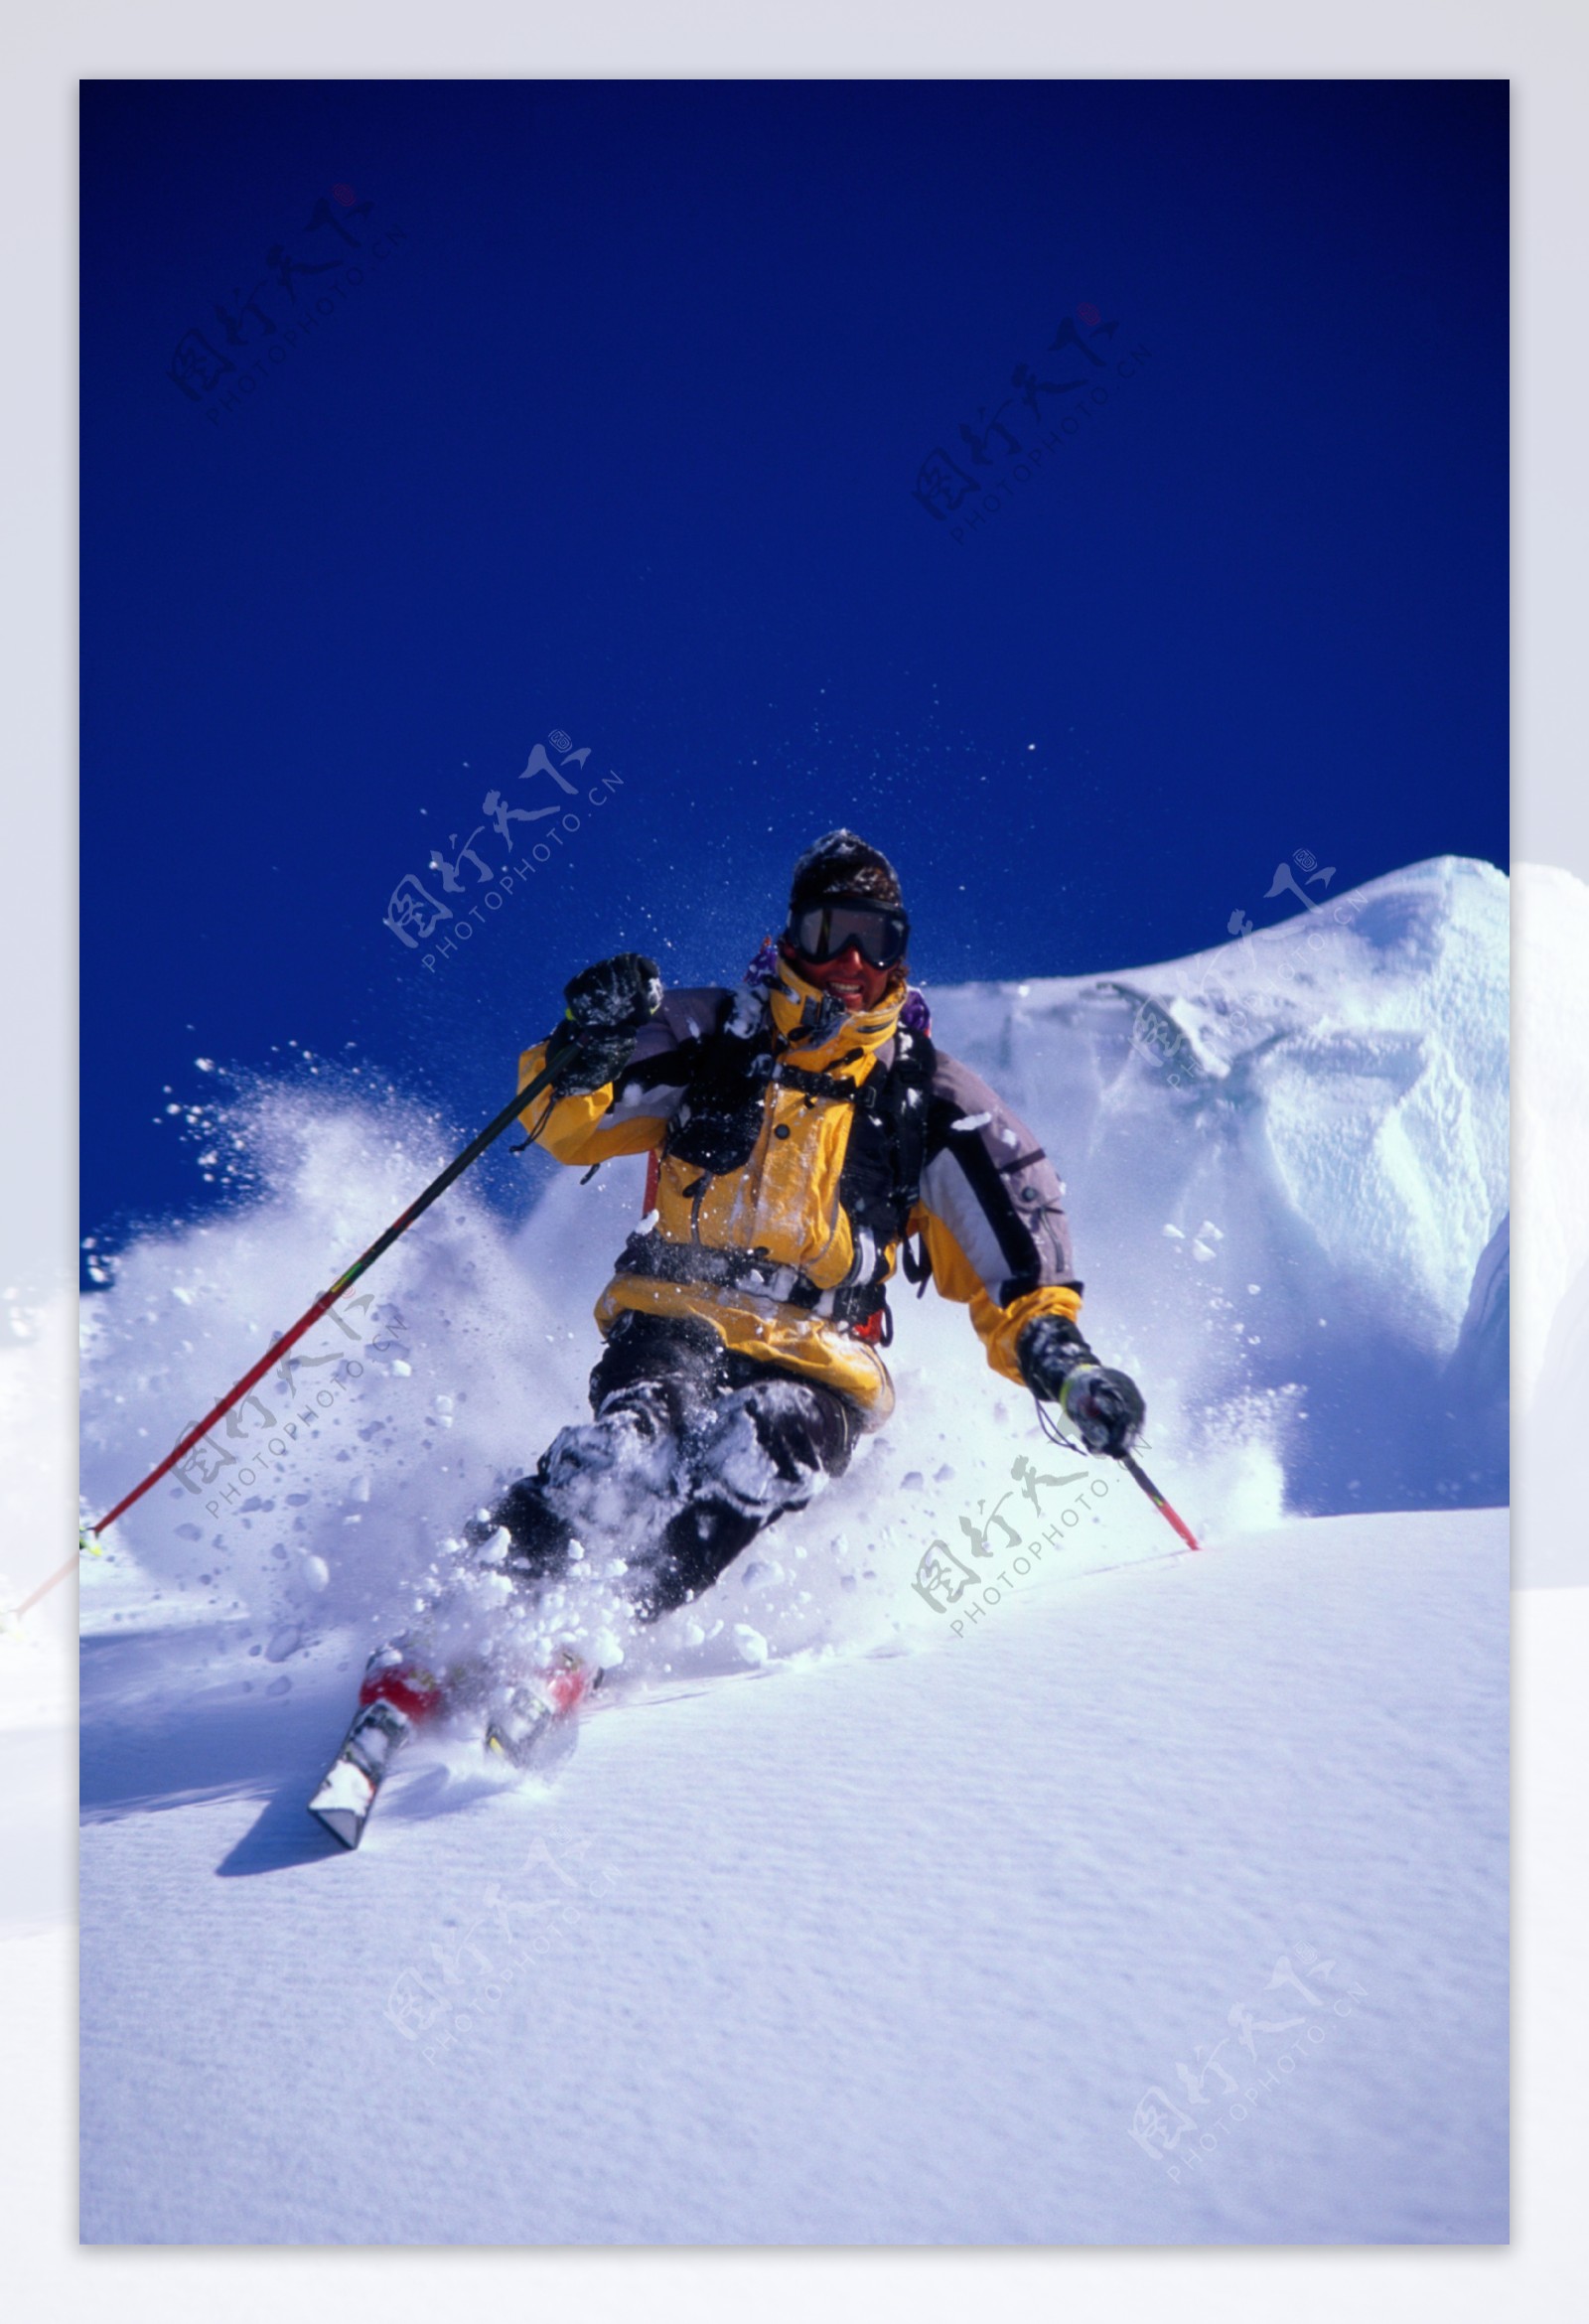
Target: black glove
[606,1006]
[1104,1407]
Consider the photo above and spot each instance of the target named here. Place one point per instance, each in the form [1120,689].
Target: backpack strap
[887,1153]
[910,1079]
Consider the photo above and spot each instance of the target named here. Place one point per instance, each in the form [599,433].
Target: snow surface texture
[876,1951]
[891,1950]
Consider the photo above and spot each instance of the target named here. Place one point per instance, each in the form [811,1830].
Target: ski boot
[396,1698]
[528,1713]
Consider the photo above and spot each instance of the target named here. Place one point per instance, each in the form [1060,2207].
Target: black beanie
[841,864]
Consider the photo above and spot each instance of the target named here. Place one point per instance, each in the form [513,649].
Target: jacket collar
[820,1034]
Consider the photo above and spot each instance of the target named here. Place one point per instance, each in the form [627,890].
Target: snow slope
[867,1951]
[897,1923]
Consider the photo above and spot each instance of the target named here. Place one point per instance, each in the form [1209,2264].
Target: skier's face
[848,977]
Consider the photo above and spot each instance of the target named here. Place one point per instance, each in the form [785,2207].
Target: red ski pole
[1160,1504]
[1132,1468]
[561,1041]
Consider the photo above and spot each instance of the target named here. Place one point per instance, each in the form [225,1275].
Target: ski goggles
[823,932]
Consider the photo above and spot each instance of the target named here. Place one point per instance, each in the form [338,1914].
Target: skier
[803,1134]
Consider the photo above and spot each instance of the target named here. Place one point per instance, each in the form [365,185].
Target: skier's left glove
[1104,1407]
[606,1006]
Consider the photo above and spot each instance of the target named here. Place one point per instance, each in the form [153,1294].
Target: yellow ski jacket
[799,1229]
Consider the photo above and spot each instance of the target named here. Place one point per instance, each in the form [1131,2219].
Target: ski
[350,1787]
[521,1725]
[398,1695]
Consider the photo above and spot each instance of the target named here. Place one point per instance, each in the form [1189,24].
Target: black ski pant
[693,1449]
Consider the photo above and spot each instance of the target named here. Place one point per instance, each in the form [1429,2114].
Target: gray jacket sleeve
[990,1185]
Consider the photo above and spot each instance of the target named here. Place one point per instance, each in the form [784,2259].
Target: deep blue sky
[620,439]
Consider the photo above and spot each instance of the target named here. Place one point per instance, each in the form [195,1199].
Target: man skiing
[802,1133]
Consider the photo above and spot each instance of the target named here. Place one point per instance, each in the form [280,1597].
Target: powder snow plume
[1285,1164]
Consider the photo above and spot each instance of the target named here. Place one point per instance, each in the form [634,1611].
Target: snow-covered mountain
[896,1941]
[1287,1168]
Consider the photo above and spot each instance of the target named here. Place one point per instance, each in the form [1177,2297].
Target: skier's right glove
[606,1006]
[1104,1407]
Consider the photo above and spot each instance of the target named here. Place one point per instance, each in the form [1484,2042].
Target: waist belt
[742,1271]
